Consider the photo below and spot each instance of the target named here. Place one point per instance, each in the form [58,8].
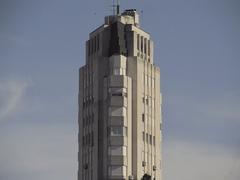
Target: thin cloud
[226,107]
[212,121]
[11,93]
[39,151]
[188,161]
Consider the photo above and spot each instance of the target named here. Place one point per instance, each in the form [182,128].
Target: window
[142,154]
[143,117]
[83,122]
[117,94]
[141,44]
[98,42]
[83,104]
[146,79]
[83,141]
[93,118]
[143,136]
[92,139]
[147,137]
[91,46]
[118,111]
[119,71]
[118,131]
[89,139]
[153,103]
[154,140]
[145,45]
[118,91]
[138,41]
[117,170]
[150,139]
[149,47]
[150,101]
[144,163]
[117,150]
[147,101]
[94,44]
[89,50]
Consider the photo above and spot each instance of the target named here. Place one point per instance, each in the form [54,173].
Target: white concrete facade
[119,104]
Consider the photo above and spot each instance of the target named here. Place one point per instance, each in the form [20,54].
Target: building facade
[119,104]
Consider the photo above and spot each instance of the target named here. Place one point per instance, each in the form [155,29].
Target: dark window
[143,135]
[88,44]
[138,41]
[92,139]
[92,50]
[145,45]
[143,117]
[141,44]
[117,94]
[98,42]
[83,140]
[150,139]
[147,101]
[149,47]
[89,140]
[94,44]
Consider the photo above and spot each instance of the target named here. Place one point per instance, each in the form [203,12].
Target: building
[119,103]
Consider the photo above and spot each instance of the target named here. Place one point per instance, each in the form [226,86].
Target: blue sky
[197,46]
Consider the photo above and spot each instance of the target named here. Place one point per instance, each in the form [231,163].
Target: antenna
[116,7]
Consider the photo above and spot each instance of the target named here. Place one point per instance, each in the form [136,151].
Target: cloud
[210,120]
[226,107]
[11,93]
[187,161]
[39,151]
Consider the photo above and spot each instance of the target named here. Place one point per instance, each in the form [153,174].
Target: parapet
[129,16]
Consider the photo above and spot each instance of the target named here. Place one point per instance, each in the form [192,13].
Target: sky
[197,46]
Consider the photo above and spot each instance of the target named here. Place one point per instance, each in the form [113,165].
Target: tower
[119,103]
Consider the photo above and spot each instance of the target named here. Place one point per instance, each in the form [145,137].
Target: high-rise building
[119,103]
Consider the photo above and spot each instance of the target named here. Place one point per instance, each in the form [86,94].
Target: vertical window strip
[138,41]
[94,44]
[141,43]
[98,42]
[149,49]
[145,45]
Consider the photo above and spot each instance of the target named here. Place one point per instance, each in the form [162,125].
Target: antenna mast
[116,7]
